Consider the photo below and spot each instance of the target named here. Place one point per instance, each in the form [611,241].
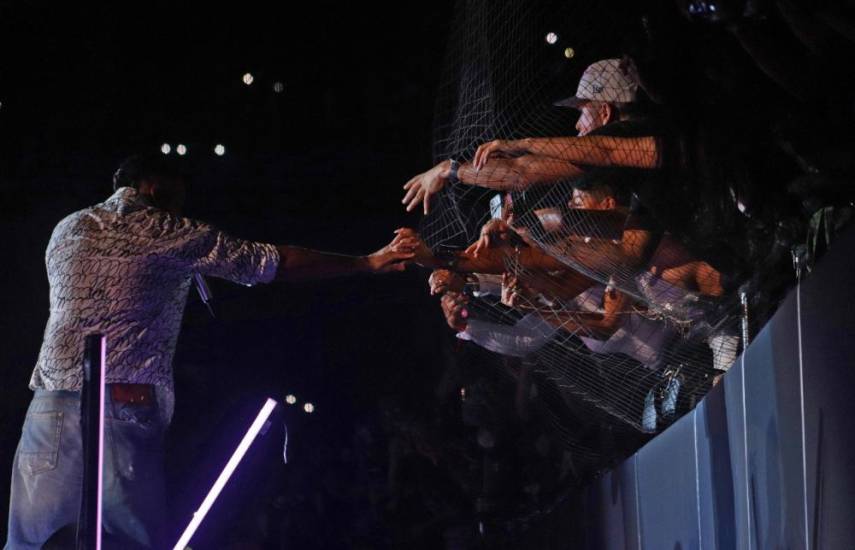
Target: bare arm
[595,324]
[601,325]
[631,152]
[521,295]
[301,264]
[491,261]
[516,174]
[501,174]
[606,255]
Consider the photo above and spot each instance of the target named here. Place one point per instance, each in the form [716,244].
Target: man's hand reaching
[422,254]
[443,280]
[423,187]
[454,308]
[516,294]
[496,148]
[494,233]
[393,256]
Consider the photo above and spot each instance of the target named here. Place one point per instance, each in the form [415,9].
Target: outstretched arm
[495,261]
[632,152]
[606,256]
[601,324]
[501,174]
[300,264]
[492,260]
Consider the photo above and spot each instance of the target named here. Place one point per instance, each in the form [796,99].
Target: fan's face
[590,117]
[584,200]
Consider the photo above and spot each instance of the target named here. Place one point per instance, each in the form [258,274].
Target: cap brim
[572,101]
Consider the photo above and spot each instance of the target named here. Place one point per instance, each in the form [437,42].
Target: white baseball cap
[609,80]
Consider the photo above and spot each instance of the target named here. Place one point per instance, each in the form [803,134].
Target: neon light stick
[100,497]
[232,464]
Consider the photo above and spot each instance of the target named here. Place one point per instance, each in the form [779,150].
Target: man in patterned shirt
[123,268]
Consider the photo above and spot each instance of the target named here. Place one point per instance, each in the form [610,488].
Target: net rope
[617,248]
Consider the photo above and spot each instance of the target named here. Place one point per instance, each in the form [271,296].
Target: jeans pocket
[39,448]
[143,416]
[136,438]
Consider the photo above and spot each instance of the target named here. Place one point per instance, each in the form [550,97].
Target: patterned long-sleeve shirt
[123,268]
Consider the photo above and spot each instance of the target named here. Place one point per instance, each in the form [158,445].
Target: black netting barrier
[611,181]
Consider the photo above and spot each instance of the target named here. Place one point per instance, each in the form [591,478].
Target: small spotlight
[181,149]
[309,408]
[278,87]
[569,53]
[165,148]
[248,79]
[551,38]
[290,399]
[220,150]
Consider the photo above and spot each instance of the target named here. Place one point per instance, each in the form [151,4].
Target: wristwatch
[452,172]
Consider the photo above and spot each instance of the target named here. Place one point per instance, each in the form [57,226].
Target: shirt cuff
[269,265]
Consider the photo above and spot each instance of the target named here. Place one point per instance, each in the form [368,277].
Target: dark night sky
[106,80]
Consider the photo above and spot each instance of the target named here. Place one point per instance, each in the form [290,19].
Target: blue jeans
[47,473]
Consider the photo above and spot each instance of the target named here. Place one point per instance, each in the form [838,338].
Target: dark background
[388,459]
[319,165]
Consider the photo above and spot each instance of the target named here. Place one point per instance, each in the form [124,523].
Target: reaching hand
[454,308]
[493,233]
[515,294]
[423,187]
[422,254]
[393,256]
[495,148]
[442,281]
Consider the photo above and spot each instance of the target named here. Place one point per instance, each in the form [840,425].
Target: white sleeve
[488,285]
[527,336]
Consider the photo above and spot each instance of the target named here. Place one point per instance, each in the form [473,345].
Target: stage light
[165,148]
[569,53]
[290,399]
[309,408]
[248,79]
[181,149]
[278,87]
[220,150]
[224,476]
[551,38]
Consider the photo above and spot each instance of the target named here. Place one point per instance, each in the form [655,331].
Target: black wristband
[452,172]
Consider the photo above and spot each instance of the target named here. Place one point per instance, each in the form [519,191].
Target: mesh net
[612,256]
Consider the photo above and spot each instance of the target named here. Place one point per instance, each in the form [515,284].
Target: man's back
[123,268]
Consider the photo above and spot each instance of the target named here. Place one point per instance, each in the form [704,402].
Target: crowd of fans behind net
[618,257]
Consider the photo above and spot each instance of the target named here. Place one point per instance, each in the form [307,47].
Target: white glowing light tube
[232,464]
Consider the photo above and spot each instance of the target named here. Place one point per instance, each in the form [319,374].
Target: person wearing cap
[605,93]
